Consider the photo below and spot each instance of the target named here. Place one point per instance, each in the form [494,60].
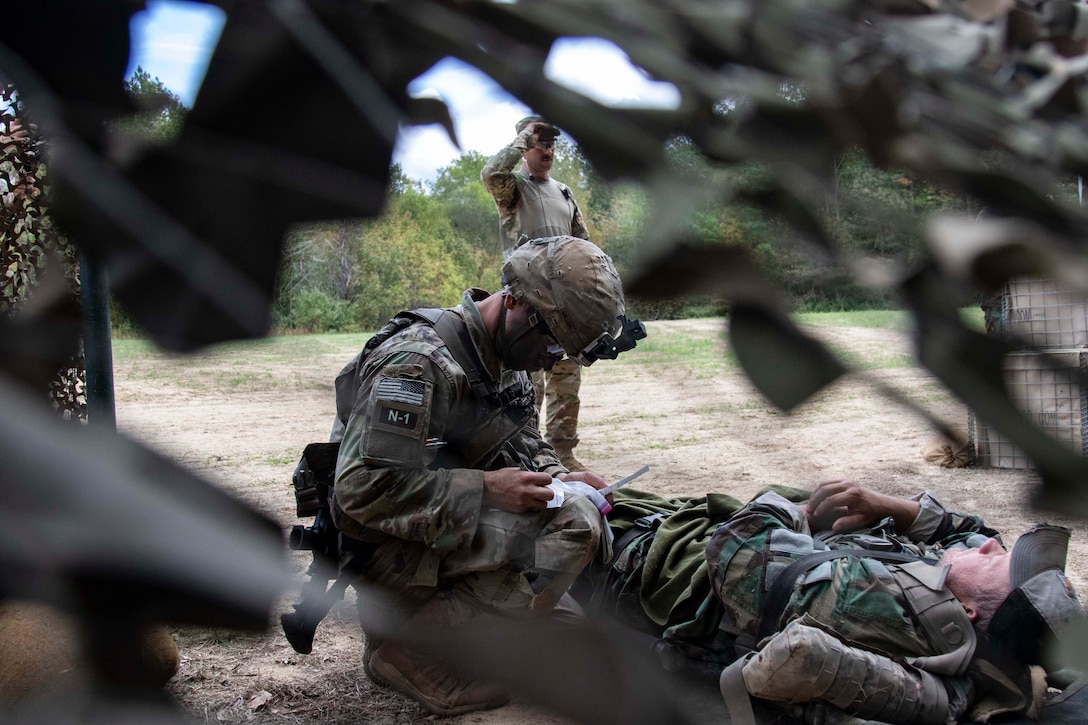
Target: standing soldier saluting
[532,205]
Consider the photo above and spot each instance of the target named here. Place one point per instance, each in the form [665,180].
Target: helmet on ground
[576,290]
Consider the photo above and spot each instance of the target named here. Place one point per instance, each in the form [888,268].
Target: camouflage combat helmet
[575,288]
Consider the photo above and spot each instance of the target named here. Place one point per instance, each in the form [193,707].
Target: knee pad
[803,663]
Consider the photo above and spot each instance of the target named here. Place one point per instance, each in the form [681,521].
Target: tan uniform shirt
[528,205]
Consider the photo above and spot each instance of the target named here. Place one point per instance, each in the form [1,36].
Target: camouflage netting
[30,247]
[983,97]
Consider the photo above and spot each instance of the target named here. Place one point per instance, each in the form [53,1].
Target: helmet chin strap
[506,342]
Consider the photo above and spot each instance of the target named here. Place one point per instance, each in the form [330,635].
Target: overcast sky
[173,42]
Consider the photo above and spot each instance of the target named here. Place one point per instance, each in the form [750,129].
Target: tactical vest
[933,606]
[499,414]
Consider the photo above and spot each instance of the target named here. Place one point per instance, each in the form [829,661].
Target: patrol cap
[575,288]
[547,133]
[1042,600]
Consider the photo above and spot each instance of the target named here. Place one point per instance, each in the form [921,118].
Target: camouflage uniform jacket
[405,411]
[528,205]
[857,598]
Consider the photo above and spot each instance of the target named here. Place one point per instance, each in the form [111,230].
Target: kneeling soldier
[442,470]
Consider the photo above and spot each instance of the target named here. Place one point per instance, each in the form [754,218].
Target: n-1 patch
[397,418]
[400,405]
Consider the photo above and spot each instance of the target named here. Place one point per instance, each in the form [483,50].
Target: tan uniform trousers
[519,565]
[557,391]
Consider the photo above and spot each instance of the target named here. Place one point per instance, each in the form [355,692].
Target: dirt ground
[241,420]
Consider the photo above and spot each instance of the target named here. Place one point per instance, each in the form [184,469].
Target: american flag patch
[409,392]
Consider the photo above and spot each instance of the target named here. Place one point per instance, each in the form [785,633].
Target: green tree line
[436,239]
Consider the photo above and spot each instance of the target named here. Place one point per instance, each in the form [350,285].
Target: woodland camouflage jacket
[857,597]
[861,600]
[405,409]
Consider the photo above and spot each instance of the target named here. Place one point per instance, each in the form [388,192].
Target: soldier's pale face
[539,158]
[979,573]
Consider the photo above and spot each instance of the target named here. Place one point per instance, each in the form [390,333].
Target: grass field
[687,345]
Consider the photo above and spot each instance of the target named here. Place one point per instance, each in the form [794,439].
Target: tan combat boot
[431,683]
[371,646]
[565,450]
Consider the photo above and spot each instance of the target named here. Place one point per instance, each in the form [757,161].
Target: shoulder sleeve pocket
[398,416]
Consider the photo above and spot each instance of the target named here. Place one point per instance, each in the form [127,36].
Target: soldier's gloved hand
[543,131]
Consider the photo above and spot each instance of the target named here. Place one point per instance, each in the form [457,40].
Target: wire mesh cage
[1047,388]
[1041,314]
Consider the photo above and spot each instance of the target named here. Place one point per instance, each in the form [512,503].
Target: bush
[122,326]
[314,310]
[679,308]
[843,297]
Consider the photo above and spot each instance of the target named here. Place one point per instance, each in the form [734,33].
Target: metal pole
[97,346]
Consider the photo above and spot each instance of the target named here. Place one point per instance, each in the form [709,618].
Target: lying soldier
[852,603]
